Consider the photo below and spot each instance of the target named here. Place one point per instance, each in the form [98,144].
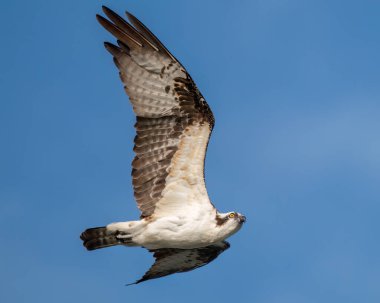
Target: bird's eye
[231,215]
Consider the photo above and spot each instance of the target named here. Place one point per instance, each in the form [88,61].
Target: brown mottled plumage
[173,260]
[178,223]
[163,111]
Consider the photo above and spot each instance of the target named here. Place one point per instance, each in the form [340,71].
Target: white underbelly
[175,232]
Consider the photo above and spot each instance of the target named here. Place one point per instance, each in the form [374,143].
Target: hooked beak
[242,219]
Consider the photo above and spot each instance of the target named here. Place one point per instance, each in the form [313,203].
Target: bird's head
[230,222]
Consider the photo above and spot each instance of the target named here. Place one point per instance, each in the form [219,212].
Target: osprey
[178,222]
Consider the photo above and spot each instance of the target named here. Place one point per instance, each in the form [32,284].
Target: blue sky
[294,86]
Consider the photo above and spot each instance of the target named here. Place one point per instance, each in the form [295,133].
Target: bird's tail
[100,237]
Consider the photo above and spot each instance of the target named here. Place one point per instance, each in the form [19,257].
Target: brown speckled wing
[167,105]
[170,261]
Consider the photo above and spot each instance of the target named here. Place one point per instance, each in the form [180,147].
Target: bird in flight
[178,222]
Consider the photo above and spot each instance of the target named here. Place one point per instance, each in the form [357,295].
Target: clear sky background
[294,86]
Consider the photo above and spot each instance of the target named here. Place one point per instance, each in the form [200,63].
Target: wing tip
[130,16]
[105,8]
[112,48]
[135,283]
[101,20]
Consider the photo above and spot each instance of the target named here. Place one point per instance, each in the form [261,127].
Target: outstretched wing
[170,260]
[173,125]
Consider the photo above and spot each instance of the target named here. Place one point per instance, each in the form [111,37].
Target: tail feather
[100,237]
